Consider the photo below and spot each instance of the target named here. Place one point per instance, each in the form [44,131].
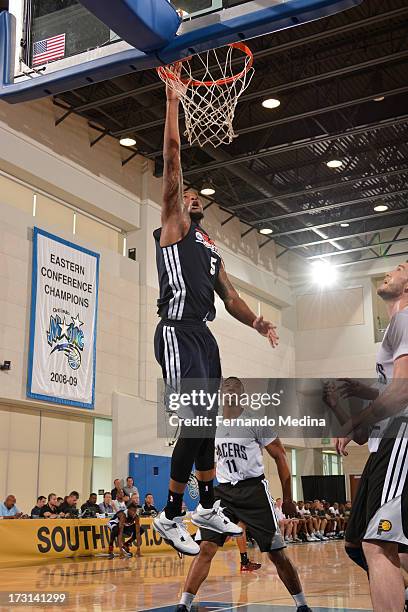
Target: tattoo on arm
[234,304]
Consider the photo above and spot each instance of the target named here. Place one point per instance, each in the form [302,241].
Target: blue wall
[151,474]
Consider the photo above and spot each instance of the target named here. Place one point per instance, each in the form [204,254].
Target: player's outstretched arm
[388,404]
[237,308]
[174,217]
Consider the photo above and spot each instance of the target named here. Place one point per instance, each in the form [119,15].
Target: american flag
[49,49]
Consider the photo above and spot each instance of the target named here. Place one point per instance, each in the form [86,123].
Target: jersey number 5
[212,265]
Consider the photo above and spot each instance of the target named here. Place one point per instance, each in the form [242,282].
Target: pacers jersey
[187,272]
[394,345]
[239,450]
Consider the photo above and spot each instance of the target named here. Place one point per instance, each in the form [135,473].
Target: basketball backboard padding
[227,26]
[224,27]
[147,26]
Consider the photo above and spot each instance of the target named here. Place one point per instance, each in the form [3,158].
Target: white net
[209,87]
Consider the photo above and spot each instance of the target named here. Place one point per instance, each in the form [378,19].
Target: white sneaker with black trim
[175,533]
[214,519]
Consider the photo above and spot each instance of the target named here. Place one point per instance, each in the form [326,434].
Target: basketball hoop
[209,100]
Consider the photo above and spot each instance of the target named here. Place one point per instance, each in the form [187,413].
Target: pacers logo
[384,526]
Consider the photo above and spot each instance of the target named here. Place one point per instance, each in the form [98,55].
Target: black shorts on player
[380,509]
[248,501]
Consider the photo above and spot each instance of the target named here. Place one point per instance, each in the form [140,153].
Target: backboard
[50,46]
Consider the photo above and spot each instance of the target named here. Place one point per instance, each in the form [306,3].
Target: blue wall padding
[147,25]
[151,474]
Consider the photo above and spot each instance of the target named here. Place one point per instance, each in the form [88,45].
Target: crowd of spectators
[52,506]
[314,521]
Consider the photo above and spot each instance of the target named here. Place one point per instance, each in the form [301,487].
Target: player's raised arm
[174,217]
[388,404]
[237,308]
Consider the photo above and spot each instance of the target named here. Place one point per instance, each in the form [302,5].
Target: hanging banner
[64,307]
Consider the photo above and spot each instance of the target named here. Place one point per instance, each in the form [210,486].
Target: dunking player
[244,495]
[379,517]
[190,270]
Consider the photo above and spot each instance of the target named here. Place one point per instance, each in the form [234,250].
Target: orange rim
[168,75]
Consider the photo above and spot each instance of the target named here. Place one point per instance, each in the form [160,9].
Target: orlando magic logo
[67,338]
[192,486]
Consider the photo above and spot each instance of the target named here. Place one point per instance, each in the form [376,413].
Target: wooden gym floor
[97,584]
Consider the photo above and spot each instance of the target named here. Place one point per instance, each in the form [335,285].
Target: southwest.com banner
[64,305]
[34,540]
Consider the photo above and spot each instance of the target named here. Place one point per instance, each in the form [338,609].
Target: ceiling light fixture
[271,103]
[334,163]
[127,142]
[324,273]
[344,224]
[207,189]
[266,231]
[380,208]
[379,99]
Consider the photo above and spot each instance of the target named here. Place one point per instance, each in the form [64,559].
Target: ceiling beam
[275,122]
[361,248]
[288,86]
[347,180]
[349,220]
[303,245]
[156,85]
[317,209]
[300,144]
[353,263]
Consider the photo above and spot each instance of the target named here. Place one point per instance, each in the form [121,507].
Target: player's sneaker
[304,609]
[214,519]
[175,533]
[250,566]
[181,608]
[124,551]
[320,537]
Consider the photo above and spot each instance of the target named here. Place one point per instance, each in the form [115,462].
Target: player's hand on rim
[174,69]
[266,329]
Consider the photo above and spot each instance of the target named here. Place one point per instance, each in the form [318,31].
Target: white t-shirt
[303,511]
[239,450]
[334,511]
[117,505]
[279,514]
[394,345]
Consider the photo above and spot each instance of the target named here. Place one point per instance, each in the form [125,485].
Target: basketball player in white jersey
[244,495]
[379,517]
